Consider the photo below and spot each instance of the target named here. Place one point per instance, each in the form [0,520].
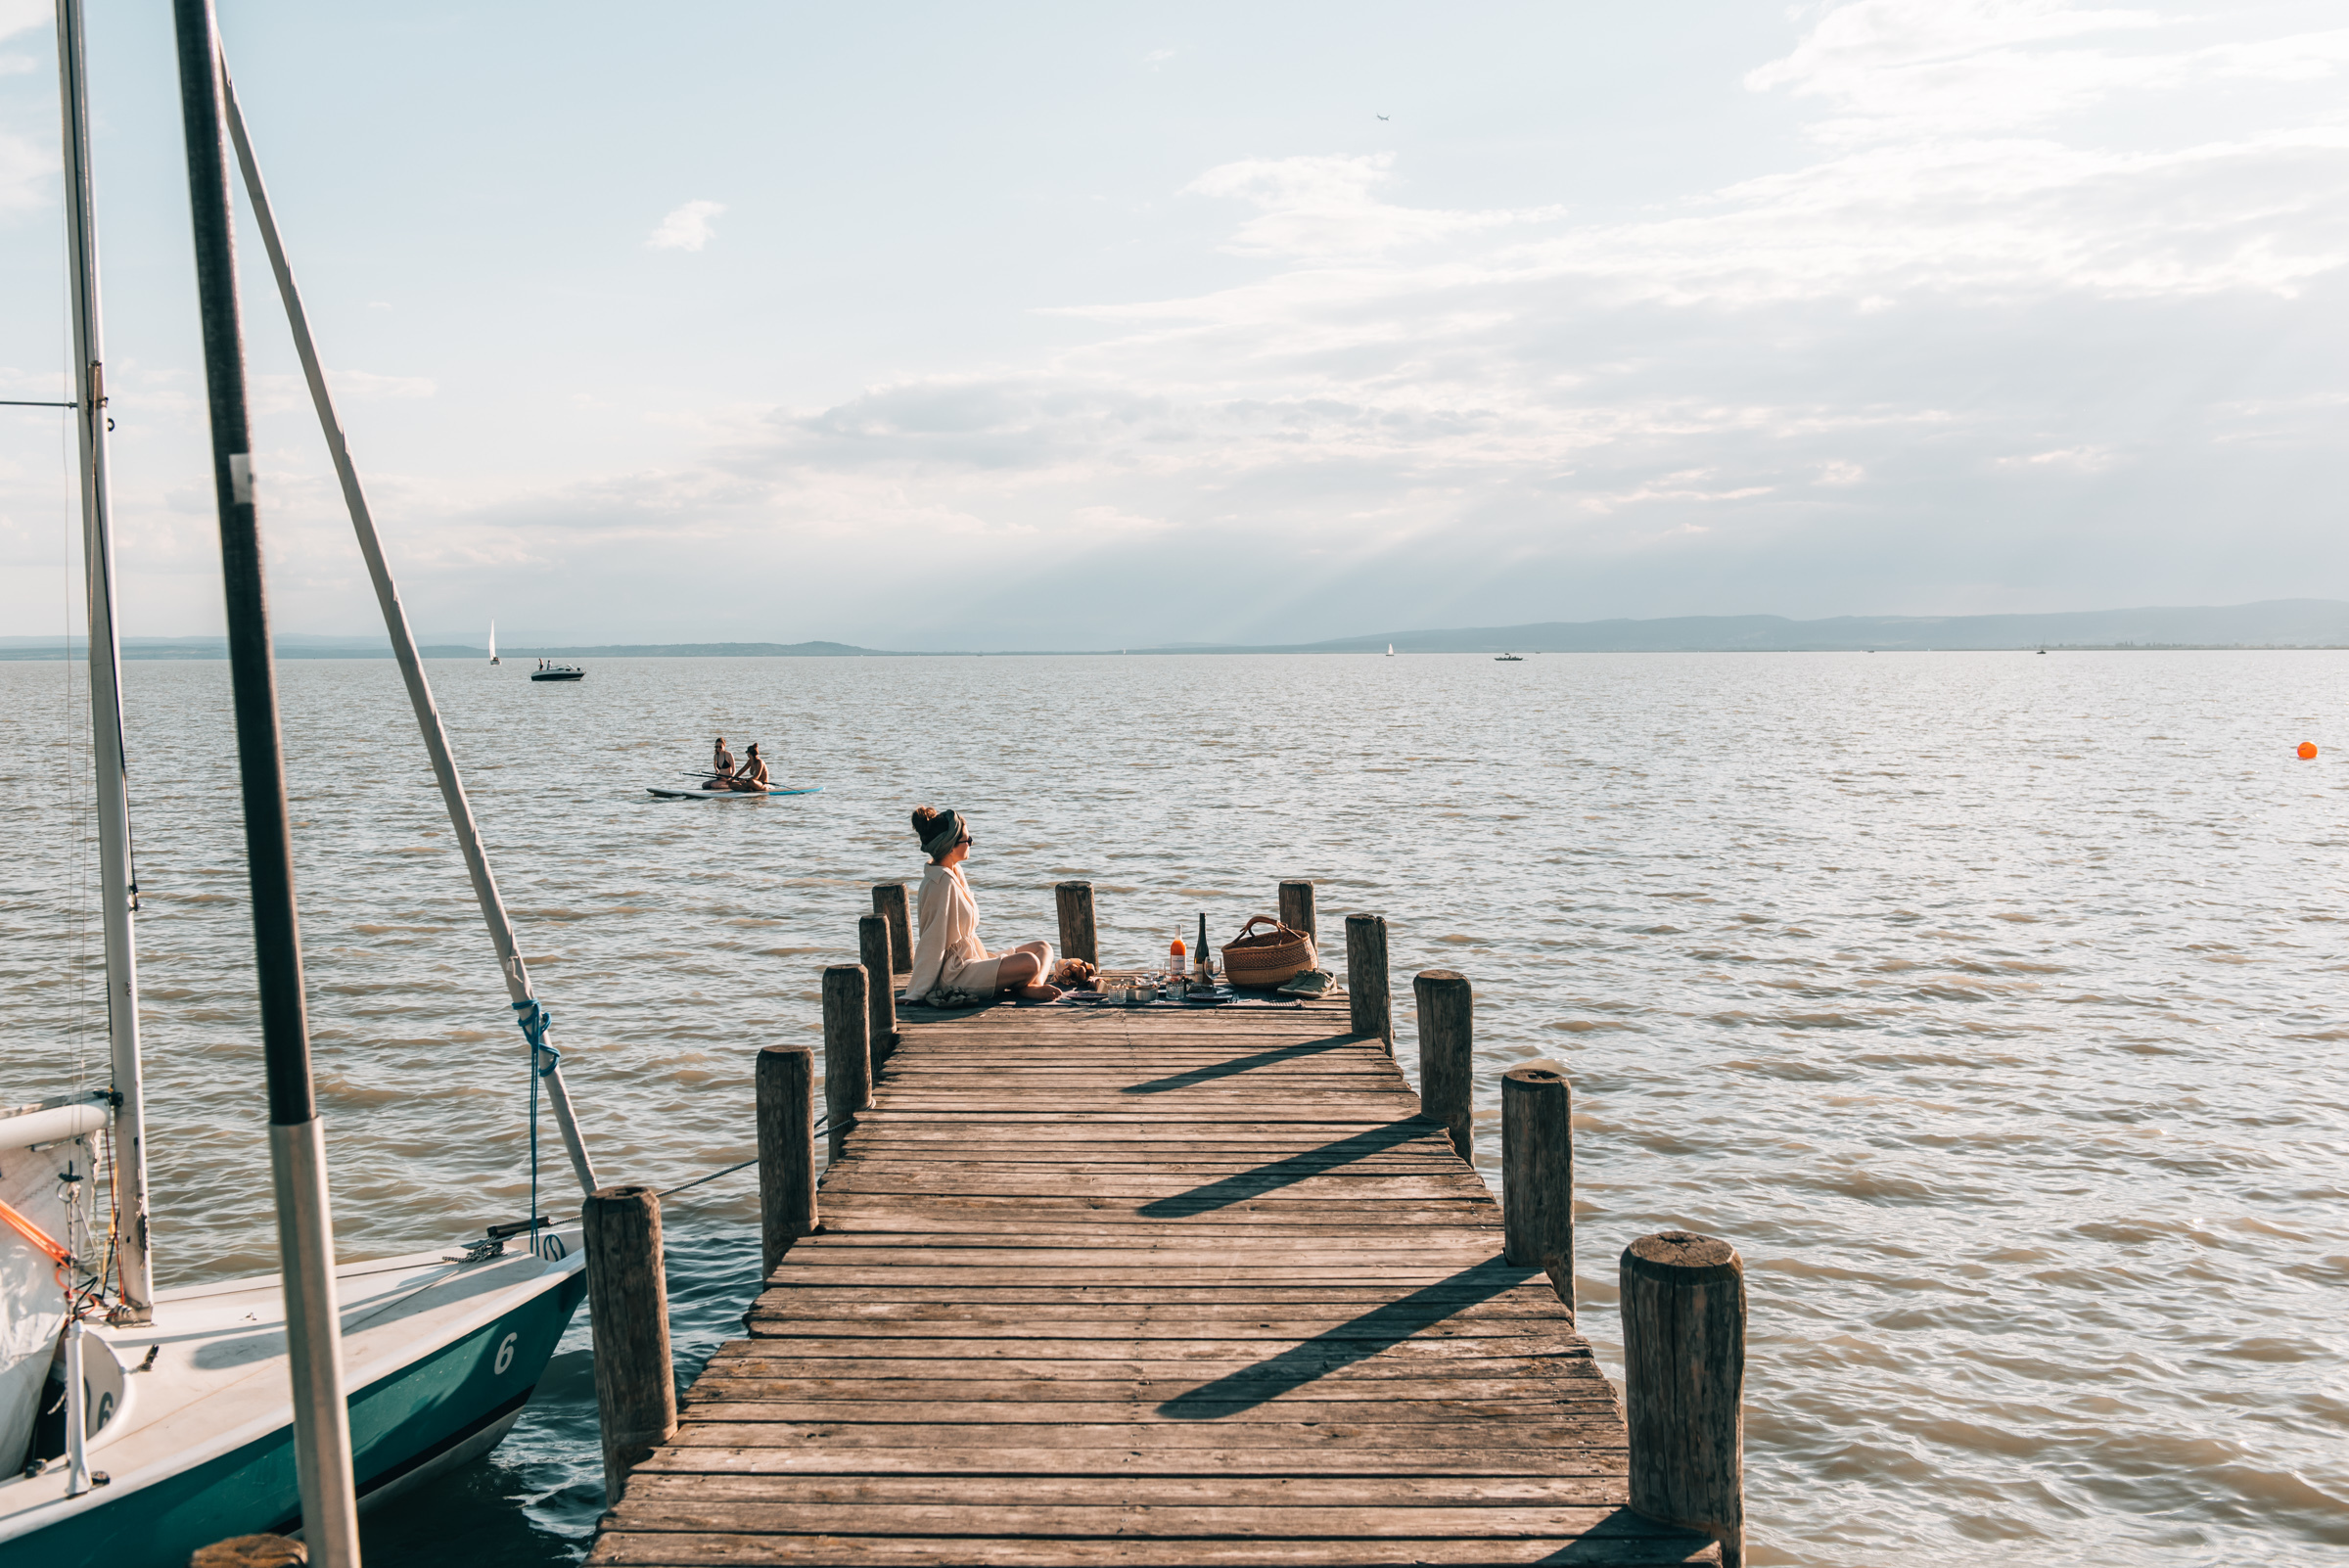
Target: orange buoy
[2308,749]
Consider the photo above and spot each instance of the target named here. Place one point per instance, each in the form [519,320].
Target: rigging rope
[535,1021]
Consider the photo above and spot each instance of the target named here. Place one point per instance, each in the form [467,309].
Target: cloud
[1320,206]
[22,15]
[26,175]
[2035,281]
[688,228]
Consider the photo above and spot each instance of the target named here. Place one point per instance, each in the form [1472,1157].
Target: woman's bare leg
[1019,971]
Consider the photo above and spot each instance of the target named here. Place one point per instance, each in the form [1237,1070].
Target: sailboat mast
[330,1518]
[116,893]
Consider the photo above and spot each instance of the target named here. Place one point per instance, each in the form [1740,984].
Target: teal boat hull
[399,1426]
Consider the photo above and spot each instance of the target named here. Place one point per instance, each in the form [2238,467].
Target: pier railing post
[877,951]
[1297,911]
[251,1552]
[848,1050]
[1077,938]
[1446,1055]
[889,902]
[1536,1173]
[628,1309]
[1371,1007]
[786,1149]
[1683,1384]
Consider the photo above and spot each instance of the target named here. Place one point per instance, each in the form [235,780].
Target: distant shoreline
[449,654]
[2273,624]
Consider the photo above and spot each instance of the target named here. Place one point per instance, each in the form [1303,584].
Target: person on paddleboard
[951,966]
[721,764]
[751,779]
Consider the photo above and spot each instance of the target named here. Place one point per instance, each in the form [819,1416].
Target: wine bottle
[1175,958]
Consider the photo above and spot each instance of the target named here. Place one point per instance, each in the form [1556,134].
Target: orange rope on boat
[34,1234]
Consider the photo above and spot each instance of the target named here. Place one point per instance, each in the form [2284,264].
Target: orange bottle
[1175,959]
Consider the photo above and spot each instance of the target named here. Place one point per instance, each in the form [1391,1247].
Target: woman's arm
[930,947]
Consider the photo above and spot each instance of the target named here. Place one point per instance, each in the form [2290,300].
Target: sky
[1075,326]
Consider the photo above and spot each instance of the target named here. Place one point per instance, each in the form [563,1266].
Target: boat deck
[1146,1286]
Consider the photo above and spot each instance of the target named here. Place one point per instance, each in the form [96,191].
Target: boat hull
[451,1402]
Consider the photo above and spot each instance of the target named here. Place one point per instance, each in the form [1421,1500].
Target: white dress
[951,966]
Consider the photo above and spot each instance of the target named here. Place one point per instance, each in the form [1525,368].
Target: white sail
[493,642]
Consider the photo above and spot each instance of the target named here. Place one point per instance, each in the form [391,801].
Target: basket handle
[1255,921]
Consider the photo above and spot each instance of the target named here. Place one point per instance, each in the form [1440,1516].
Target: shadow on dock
[1356,1340]
[1280,1174]
[1242,1064]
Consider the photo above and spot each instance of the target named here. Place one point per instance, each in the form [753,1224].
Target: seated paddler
[951,966]
[751,778]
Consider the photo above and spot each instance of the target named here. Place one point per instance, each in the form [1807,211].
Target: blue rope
[535,1021]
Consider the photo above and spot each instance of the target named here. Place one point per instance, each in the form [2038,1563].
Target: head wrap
[951,829]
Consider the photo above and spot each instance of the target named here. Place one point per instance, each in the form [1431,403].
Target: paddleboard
[728,795]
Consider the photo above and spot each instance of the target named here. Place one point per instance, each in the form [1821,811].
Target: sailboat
[1390,650]
[493,642]
[138,1424]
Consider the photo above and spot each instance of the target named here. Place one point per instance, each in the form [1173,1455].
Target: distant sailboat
[1390,650]
[493,642]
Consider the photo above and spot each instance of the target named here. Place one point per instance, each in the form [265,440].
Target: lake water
[1992,1004]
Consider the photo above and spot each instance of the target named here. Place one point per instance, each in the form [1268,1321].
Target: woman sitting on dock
[952,967]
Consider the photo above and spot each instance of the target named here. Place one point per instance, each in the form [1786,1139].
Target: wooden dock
[1146,1286]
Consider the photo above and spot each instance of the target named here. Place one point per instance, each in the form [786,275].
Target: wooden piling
[1446,1059]
[878,953]
[889,901]
[1297,910]
[1077,938]
[1683,1384]
[1537,1172]
[786,1148]
[627,1307]
[251,1552]
[1371,1008]
[848,1050]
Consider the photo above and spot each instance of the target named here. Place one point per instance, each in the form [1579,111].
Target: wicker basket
[1267,957]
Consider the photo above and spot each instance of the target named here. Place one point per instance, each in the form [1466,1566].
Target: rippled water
[1991,1003]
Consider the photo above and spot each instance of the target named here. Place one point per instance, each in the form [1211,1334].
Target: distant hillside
[2272,624]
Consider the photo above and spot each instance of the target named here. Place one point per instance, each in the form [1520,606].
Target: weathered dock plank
[1146,1288]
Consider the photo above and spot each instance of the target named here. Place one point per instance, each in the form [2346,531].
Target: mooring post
[1371,1008]
[1446,1055]
[878,953]
[1297,911]
[1077,938]
[889,902]
[1536,1173]
[786,1148]
[848,1050]
[627,1310]
[1683,1384]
